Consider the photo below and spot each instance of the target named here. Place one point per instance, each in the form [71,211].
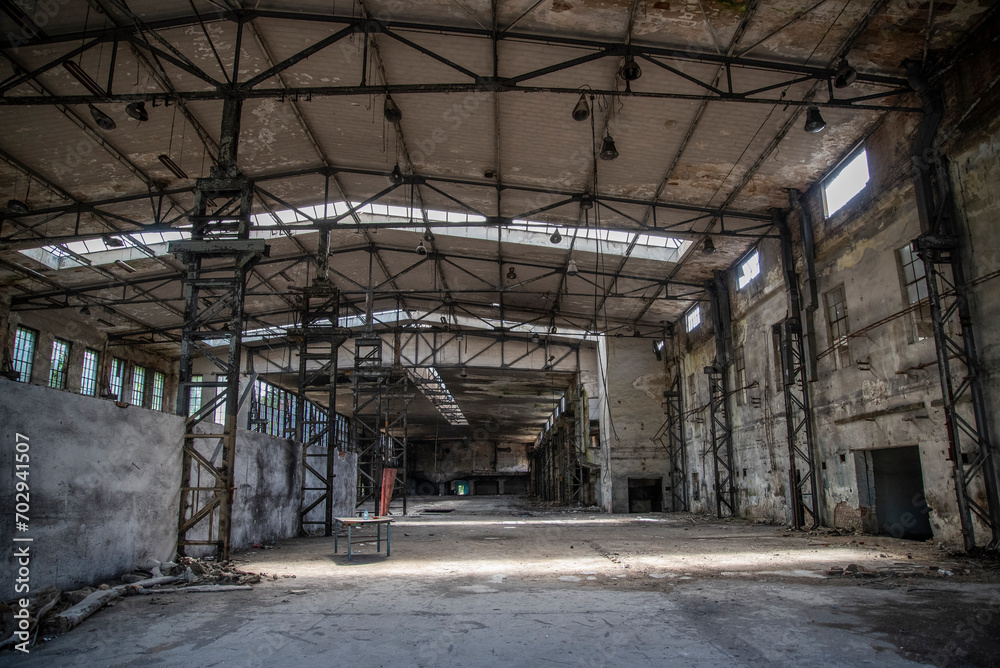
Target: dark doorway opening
[487,488]
[644,495]
[900,505]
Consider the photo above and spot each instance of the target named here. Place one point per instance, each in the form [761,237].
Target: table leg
[388,538]
[348,543]
[336,532]
[378,541]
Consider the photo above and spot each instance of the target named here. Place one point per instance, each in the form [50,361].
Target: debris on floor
[54,612]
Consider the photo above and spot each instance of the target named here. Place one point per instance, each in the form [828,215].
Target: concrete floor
[496,582]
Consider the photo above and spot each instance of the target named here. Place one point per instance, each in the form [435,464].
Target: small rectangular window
[117,379]
[220,408]
[138,385]
[58,369]
[194,395]
[24,353]
[749,270]
[693,318]
[156,398]
[914,280]
[846,183]
[837,326]
[740,371]
[88,379]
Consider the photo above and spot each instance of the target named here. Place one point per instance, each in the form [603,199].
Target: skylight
[429,382]
[693,318]
[848,182]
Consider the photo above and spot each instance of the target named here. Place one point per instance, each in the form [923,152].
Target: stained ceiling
[709,139]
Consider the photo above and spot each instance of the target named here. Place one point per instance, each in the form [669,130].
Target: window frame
[739,267]
[139,378]
[59,368]
[157,390]
[832,176]
[839,340]
[688,327]
[24,365]
[195,406]
[921,327]
[120,377]
[88,373]
[740,375]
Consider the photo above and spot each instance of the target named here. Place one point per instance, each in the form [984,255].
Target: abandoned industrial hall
[499,332]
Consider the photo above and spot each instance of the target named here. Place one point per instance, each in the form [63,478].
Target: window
[24,352]
[693,318]
[749,270]
[156,398]
[60,363]
[914,282]
[88,379]
[138,385]
[194,395]
[117,379]
[837,327]
[846,183]
[220,408]
[740,372]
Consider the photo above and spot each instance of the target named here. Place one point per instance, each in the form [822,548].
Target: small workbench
[351,522]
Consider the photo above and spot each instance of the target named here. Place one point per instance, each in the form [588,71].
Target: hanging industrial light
[421,249]
[814,122]
[103,121]
[845,75]
[464,373]
[571,269]
[586,201]
[581,111]
[709,246]
[396,176]
[174,168]
[511,274]
[556,237]
[85,310]
[535,338]
[630,70]
[391,111]
[608,150]
[137,110]
[428,237]
[17,206]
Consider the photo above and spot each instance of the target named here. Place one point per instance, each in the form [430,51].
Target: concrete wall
[633,412]
[103,484]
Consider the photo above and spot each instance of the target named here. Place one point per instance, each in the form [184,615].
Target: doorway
[644,495]
[900,506]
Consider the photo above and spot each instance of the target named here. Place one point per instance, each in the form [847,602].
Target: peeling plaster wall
[634,412]
[450,460]
[889,395]
[268,481]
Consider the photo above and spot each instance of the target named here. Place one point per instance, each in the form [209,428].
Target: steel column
[718,383]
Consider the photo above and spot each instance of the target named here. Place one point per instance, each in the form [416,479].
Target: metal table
[351,522]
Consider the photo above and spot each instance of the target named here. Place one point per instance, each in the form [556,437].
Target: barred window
[740,371]
[156,400]
[88,379]
[59,368]
[117,379]
[194,395]
[914,280]
[24,353]
[138,386]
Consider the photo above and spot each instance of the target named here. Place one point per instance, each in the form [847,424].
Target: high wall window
[88,379]
[849,180]
[914,282]
[194,395]
[24,352]
[837,326]
[156,396]
[740,373]
[693,318]
[220,408]
[749,270]
[138,386]
[59,367]
[117,378]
